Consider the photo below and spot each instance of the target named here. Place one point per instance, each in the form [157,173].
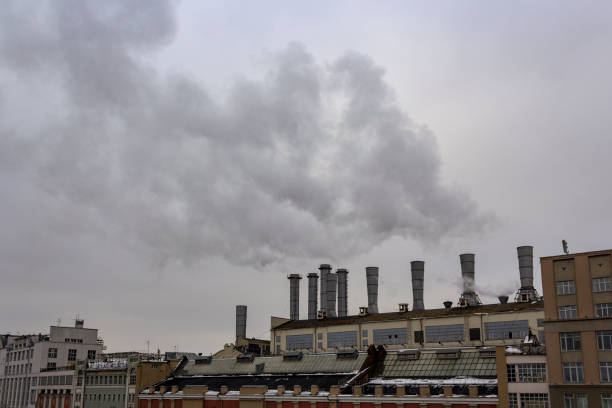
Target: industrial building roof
[430,365]
[456,311]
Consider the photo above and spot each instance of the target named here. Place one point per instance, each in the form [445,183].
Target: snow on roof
[434,381]
[105,365]
[513,350]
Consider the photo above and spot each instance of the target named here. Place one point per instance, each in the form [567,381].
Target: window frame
[567,287]
[573,339]
[564,312]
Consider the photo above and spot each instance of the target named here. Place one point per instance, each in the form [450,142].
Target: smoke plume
[313,159]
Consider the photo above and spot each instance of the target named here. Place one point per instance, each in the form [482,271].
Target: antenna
[565,250]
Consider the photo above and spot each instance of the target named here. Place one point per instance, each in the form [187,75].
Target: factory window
[446,333]
[342,339]
[298,341]
[364,333]
[603,310]
[541,336]
[568,312]
[391,336]
[43,381]
[52,352]
[72,355]
[475,333]
[518,329]
[605,369]
[573,372]
[320,345]
[50,366]
[418,337]
[602,284]
[540,322]
[365,343]
[511,372]
[512,400]
[91,354]
[278,339]
[80,378]
[278,349]
[606,400]
[535,400]
[132,376]
[604,340]
[570,341]
[319,336]
[566,288]
[532,373]
[569,400]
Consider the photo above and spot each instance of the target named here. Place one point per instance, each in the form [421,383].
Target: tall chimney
[417,269]
[372,280]
[332,285]
[527,291]
[469,296]
[241,319]
[312,295]
[325,270]
[294,296]
[342,292]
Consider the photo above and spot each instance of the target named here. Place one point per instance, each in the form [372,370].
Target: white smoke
[311,160]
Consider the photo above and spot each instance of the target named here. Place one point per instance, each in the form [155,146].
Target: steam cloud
[311,160]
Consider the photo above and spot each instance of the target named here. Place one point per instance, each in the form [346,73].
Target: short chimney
[527,291]
[241,320]
[325,271]
[312,295]
[417,269]
[294,296]
[332,285]
[469,296]
[503,299]
[372,281]
[342,292]
[79,323]
[447,304]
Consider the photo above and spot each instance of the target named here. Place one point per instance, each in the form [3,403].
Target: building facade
[578,325]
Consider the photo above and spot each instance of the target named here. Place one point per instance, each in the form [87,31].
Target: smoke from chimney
[294,296]
[241,320]
[342,292]
[312,295]
[332,285]
[325,270]
[417,270]
[372,281]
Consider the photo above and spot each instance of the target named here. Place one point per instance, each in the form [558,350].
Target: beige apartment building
[578,325]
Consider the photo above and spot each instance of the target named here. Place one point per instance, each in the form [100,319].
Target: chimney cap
[447,304]
[342,270]
[294,276]
[325,266]
[313,275]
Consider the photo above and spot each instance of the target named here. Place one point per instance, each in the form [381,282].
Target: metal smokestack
[312,295]
[417,270]
[325,270]
[372,280]
[469,296]
[294,296]
[342,292]
[332,284]
[527,292]
[241,320]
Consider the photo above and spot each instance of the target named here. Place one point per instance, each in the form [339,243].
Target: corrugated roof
[309,364]
[458,311]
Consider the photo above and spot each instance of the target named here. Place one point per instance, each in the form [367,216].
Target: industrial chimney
[241,319]
[342,292]
[312,295]
[527,292]
[325,271]
[332,285]
[469,296]
[417,270]
[79,323]
[372,281]
[294,296]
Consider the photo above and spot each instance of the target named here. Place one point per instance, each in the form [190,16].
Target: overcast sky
[161,162]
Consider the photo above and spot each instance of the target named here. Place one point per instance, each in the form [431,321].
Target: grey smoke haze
[311,160]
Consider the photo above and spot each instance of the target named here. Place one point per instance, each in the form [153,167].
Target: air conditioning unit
[363,310]
[403,307]
[321,314]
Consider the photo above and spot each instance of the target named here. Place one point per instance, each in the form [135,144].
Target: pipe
[325,270]
[241,320]
[342,292]
[417,270]
[294,296]
[467,272]
[372,281]
[312,295]
[525,260]
[332,285]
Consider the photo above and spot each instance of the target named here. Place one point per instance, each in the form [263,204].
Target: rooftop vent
[411,354]
[347,354]
[448,354]
[293,356]
[403,307]
[447,304]
[503,299]
[245,358]
[363,310]
[203,360]
[487,352]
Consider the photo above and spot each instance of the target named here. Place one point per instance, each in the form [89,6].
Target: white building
[25,359]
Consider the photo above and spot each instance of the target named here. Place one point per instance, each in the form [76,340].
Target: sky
[163,161]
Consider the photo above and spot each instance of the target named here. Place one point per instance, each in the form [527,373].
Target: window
[278,339]
[573,372]
[446,333]
[475,333]
[569,400]
[342,339]
[319,345]
[605,371]
[391,336]
[507,330]
[566,288]
[606,400]
[51,365]
[512,400]
[532,373]
[298,341]
[603,310]
[364,333]
[604,340]
[582,401]
[365,342]
[534,400]
[418,337]
[52,353]
[72,355]
[80,379]
[132,376]
[602,284]
[91,354]
[568,312]
[570,341]
[511,371]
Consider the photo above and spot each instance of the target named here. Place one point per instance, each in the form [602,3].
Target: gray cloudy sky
[161,162]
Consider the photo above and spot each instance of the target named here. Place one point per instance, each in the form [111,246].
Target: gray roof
[429,365]
[327,363]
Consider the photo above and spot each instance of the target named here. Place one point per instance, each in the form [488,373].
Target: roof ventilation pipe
[372,280]
[469,296]
[342,292]
[325,271]
[332,285]
[312,295]
[527,292]
[241,319]
[294,296]
[417,269]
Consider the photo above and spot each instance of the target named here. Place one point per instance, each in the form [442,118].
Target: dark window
[570,341]
[475,333]
[511,371]
[418,336]
[91,354]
